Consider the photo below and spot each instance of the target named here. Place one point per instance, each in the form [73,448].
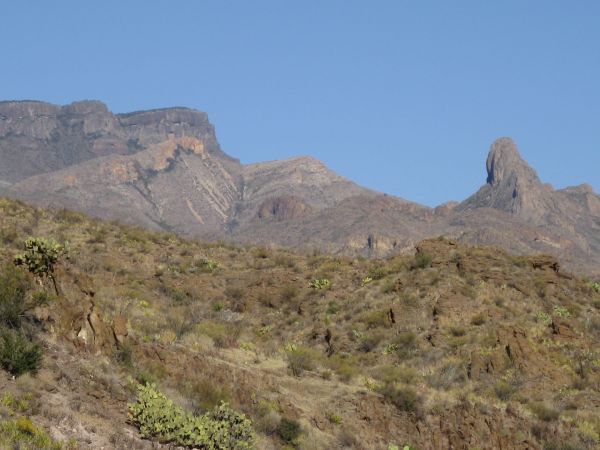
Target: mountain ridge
[114,166]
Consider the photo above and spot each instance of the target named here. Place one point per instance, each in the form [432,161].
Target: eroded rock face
[120,329]
[283,208]
[93,334]
[505,165]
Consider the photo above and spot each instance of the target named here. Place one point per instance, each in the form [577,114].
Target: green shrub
[457,331]
[23,434]
[69,217]
[300,359]
[98,235]
[366,280]
[18,354]
[289,430]
[544,412]
[8,236]
[177,295]
[320,283]
[288,293]
[14,285]
[421,261]
[124,355]
[377,273]
[261,252]
[543,318]
[453,371]
[478,319]
[370,340]
[404,398]
[40,257]
[203,265]
[393,374]
[333,307]
[234,292]
[334,418]
[561,311]
[205,393]
[504,390]
[374,319]
[345,366]
[233,429]
[157,417]
[561,445]
[223,334]
[406,343]
[389,286]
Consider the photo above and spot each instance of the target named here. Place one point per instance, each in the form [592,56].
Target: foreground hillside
[455,347]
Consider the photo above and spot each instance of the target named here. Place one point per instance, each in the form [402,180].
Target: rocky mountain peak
[512,186]
[504,163]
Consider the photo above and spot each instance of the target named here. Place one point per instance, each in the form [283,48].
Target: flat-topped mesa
[15,110]
[152,126]
[56,136]
[16,117]
[11,109]
[175,114]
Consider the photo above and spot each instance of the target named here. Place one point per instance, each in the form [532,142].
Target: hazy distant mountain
[164,169]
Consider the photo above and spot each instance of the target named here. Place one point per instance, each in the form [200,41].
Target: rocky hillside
[164,170]
[453,347]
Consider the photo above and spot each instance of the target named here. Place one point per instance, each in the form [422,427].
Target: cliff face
[38,137]
[164,169]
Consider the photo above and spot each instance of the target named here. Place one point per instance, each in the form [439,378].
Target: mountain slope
[175,185]
[457,347]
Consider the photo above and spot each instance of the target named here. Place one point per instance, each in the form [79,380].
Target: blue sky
[404,97]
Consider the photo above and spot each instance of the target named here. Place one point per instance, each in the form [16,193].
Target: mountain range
[164,170]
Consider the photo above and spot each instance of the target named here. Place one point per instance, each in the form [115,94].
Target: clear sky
[404,97]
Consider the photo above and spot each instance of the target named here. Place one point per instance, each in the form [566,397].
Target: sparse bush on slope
[157,417]
[40,257]
[289,430]
[421,261]
[24,435]
[14,285]
[18,354]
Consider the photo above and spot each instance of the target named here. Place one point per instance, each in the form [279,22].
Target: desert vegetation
[149,334]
